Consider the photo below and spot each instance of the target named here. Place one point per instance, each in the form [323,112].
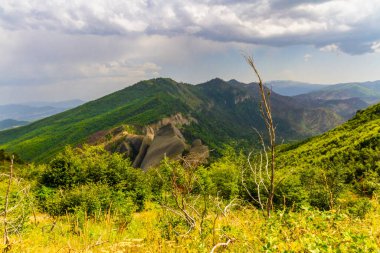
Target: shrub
[90,199]
[92,165]
[359,208]
[20,203]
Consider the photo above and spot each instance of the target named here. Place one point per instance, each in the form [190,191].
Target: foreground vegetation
[87,200]
[149,231]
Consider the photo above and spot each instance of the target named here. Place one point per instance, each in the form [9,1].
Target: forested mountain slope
[221,112]
[346,155]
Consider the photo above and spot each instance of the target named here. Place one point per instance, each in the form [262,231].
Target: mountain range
[10,123]
[368,92]
[35,110]
[217,112]
[293,88]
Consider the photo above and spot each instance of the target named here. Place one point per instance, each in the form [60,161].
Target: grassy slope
[353,144]
[307,231]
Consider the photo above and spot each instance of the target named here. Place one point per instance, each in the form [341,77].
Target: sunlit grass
[285,231]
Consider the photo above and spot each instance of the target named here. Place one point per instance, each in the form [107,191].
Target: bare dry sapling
[264,169]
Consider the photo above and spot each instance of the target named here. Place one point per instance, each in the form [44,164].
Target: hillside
[223,112]
[350,152]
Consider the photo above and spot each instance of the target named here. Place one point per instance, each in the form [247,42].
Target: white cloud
[307,57]
[332,48]
[376,46]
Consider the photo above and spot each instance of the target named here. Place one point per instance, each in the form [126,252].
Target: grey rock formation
[128,145]
[146,142]
[168,142]
[197,155]
[162,139]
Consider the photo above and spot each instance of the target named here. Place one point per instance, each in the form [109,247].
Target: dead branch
[222,244]
[266,114]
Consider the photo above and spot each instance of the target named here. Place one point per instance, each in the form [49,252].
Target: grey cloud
[275,23]
[287,4]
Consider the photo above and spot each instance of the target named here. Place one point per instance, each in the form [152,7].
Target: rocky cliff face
[162,139]
[168,142]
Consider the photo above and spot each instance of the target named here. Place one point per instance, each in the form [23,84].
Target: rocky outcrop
[162,139]
[167,142]
[146,142]
[197,155]
[176,120]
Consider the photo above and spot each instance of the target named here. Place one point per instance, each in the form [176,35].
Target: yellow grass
[305,231]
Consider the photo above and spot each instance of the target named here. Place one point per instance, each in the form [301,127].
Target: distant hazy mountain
[292,88]
[35,110]
[343,101]
[11,123]
[61,104]
[368,92]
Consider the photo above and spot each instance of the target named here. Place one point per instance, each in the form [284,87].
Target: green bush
[225,173]
[20,203]
[292,193]
[80,166]
[93,165]
[90,199]
[90,182]
[359,208]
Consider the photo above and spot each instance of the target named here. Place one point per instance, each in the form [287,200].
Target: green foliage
[225,173]
[195,208]
[84,165]
[324,187]
[5,156]
[220,179]
[89,199]
[359,207]
[345,159]
[20,203]
[293,193]
[91,180]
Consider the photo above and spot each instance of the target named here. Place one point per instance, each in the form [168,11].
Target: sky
[64,49]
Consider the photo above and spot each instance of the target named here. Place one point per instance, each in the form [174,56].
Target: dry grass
[306,231]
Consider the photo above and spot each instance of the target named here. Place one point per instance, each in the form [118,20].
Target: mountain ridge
[224,113]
